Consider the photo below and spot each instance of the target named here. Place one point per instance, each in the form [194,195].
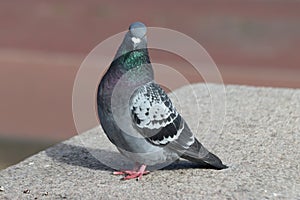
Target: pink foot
[133,174]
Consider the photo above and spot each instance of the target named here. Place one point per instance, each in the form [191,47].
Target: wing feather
[155,117]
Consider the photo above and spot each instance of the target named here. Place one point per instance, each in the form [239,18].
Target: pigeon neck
[137,65]
[135,59]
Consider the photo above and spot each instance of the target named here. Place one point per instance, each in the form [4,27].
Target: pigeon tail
[197,153]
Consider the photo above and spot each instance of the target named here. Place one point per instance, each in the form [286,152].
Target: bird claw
[133,174]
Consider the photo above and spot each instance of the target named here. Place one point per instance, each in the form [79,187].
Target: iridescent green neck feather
[132,59]
[136,59]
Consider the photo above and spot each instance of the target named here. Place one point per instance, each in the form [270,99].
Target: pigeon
[137,115]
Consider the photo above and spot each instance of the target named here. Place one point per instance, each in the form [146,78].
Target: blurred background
[42,44]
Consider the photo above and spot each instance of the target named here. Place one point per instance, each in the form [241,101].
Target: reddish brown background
[42,44]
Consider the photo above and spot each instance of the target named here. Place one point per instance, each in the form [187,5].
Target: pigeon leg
[121,172]
[137,172]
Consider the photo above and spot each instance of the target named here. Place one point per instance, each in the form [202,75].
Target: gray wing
[155,117]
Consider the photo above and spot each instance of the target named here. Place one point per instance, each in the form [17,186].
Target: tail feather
[199,154]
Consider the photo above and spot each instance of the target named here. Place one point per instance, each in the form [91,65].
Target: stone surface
[259,141]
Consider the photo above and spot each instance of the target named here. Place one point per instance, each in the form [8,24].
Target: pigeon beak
[136,41]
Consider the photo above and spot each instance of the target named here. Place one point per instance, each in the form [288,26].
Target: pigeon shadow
[77,156]
[81,156]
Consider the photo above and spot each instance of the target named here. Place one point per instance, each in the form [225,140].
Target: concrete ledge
[260,141]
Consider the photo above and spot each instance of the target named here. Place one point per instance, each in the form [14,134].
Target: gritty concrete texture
[259,142]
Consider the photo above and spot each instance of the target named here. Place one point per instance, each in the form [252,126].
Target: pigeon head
[133,51]
[138,29]
[137,32]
